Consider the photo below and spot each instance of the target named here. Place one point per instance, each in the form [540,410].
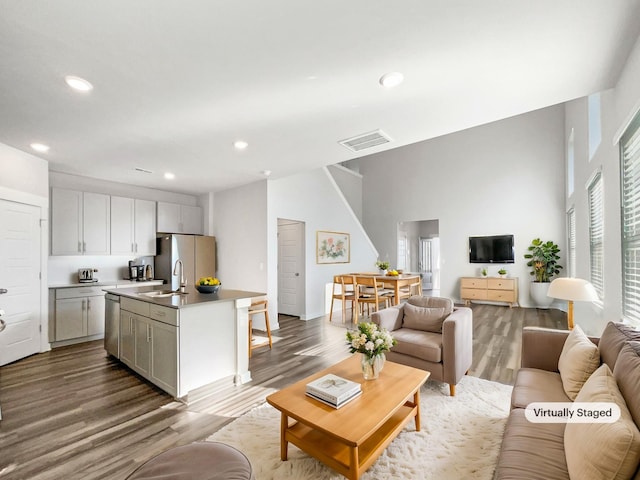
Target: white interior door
[19,280]
[290,267]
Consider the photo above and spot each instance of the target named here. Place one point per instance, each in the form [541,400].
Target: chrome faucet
[183,282]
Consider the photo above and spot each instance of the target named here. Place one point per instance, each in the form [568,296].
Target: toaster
[85,275]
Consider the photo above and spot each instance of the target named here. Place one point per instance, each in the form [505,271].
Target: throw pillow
[626,372]
[614,336]
[423,318]
[602,450]
[578,360]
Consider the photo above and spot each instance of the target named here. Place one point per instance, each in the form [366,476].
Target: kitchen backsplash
[64,269]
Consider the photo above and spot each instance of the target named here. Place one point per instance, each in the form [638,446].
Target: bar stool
[260,306]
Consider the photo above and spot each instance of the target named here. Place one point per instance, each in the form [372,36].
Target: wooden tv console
[492,289]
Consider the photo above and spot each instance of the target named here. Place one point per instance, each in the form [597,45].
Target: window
[595,124]
[571,241]
[570,165]
[630,223]
[402,251]
[596,233]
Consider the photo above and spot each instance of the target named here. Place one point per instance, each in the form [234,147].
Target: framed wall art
[333,247]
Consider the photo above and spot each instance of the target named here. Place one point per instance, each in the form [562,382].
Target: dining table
[396,282]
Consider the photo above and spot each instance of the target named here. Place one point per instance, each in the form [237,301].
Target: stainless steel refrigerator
[197,252]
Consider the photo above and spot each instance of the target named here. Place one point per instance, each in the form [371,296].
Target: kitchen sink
[162,293]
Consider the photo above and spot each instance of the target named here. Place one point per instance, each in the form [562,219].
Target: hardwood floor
[75,413]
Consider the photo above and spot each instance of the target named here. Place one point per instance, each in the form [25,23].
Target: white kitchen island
[183,342]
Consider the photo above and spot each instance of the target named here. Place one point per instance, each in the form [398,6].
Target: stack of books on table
[333,390]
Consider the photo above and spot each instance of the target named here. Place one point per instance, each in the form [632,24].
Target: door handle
[3,290]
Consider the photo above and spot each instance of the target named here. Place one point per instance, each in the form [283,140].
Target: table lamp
[572,289]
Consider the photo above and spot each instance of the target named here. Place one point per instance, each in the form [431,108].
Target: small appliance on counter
[140,272]
[85,275]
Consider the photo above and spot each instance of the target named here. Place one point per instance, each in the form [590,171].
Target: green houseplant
[543,259]
[382,266]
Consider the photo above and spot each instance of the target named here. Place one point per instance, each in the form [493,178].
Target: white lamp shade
[575,289]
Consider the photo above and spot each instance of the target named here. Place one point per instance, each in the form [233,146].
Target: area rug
[460,438]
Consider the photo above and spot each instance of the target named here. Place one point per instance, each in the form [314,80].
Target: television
[491,249]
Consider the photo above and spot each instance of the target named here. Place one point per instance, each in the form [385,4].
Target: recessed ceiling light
[391,79]
[78,83]
[266,173]
[169,176]
[40,147]
[240,144]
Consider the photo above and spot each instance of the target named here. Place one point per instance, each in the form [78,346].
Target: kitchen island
[182,342]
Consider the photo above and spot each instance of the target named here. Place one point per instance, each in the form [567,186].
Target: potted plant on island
[383,267]
[543,259]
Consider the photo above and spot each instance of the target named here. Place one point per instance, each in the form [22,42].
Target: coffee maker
[140,272]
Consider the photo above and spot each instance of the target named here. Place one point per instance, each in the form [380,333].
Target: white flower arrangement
[369,339]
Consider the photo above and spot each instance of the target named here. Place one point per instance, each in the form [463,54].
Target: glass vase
[372,366]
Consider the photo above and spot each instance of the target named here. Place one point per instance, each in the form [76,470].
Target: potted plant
[382,266]
[484,271]
[543,259]
[502,272]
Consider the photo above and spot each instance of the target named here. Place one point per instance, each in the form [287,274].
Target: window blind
[571,241]
[630,224]
[596,234]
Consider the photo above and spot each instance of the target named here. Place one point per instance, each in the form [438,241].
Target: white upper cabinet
[122,223]
[191,219]
[145,227]
[80,223]
[133,226]
[66,222]
[175,218]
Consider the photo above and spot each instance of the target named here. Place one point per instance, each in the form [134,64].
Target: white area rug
[460,438]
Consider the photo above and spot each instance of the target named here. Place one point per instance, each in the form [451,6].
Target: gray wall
[506,177]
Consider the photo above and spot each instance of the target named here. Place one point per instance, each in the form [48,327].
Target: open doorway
[419,252]
[291,267]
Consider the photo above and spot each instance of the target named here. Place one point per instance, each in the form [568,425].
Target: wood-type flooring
[76,413]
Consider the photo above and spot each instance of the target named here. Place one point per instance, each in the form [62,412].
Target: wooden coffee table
[351,438]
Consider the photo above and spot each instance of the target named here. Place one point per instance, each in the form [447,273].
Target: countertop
[101,283]
[189,298]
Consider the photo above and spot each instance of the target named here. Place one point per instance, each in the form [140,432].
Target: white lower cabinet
[79,312]
[150,347]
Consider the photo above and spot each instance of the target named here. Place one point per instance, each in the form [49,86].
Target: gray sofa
[432,335]
[537,450]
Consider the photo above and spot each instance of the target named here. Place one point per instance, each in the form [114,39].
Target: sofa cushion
[419,344]
[612,339]
[602,450]
[578,360]
[627,375]
[432,302]
[531,451]
[423,318]
[535,385]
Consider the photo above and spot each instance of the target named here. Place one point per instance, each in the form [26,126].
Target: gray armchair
[432,335]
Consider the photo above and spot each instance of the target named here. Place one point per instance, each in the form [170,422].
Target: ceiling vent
[366,140]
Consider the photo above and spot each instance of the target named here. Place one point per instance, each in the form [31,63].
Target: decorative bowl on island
[208,285]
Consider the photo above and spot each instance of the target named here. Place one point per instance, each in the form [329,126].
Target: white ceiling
[176,82]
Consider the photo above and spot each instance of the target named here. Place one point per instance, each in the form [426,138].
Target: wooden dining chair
[411,289]
[344,290]
[370,292]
